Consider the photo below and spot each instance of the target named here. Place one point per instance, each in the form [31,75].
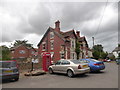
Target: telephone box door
[46,61]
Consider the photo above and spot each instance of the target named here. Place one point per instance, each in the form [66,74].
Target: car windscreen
[76,61]
[84,61]
[117,59]
[7,64]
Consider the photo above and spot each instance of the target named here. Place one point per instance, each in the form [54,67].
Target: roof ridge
[68,31]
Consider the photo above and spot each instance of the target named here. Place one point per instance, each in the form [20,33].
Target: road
[107,78]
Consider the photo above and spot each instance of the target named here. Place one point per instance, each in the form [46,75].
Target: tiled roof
[110,55]
[12,48]
[63,35]
[68,33]
[81,38]
[50,29]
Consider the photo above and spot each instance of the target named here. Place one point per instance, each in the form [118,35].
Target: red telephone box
[46,60]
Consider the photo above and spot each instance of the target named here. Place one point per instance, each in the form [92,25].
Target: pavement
[107,78]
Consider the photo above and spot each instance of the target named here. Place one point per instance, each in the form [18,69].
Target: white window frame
[33,52]
[13,51]
[52,54]
[72,43]
[22,51]
[21,57]
[43,48]
[73,55]
[52,44]
[62,54]
[84,44]
[51,35]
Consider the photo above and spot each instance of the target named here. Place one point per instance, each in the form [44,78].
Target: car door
[56,67]
[64,65]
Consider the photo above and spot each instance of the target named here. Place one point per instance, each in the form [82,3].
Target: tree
[118,45]
[98,52]
[4,53]
[104,55]
[118,51]
[77,49]
[19,42]
[98,48]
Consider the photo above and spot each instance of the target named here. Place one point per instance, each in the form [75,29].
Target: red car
[105,60]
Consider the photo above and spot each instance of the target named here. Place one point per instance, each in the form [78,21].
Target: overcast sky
[29,20]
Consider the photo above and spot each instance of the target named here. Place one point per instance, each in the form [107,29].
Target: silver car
[69,67]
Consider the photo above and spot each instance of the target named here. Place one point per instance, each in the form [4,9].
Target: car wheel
[98,71]
[83,74]
[50,71]
[16,79]
[70,73]
[91,70]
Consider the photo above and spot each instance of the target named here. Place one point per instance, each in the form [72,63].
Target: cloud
[33,38]
[22,20]
[40,19]
[78,13]
[7,25]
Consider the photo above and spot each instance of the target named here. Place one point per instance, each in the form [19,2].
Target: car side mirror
[53,64]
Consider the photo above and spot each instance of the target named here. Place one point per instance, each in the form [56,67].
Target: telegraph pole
[93,41]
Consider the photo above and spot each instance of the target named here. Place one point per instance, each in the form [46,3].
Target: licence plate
[85,66]
[8,71]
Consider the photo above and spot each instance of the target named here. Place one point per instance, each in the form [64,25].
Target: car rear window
[7,64]
[93,60]
[76,61]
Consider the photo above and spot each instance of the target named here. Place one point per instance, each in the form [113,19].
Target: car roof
[86,59]
[9,61]
[66,59]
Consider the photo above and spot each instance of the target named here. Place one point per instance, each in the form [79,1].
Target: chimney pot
[57,26]
[78,33]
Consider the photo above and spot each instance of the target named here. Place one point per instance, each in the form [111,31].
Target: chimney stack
[78,33]
[57,26]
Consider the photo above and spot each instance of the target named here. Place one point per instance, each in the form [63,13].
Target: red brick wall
[68,50]
[27,53]
[68,45]
[57,46]
[16,53]
[30,52]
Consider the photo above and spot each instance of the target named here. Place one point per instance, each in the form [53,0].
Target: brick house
[61,44]
[116,52]
[22,52]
